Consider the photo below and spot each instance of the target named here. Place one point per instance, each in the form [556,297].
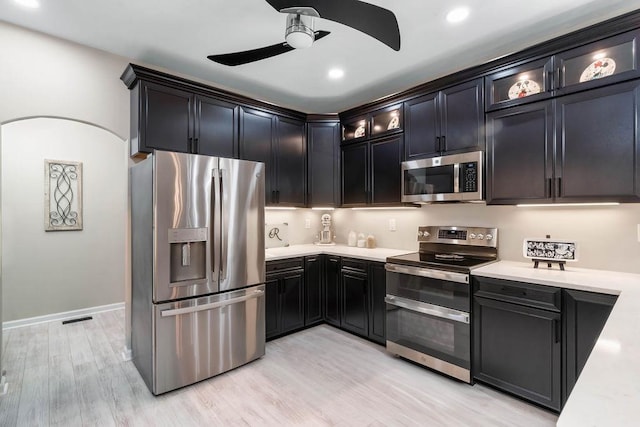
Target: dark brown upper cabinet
[386,121]
[279,143]
[525,83]
[323,147]
[355,129]
[172,119]
[445,122]
[607,61]
[583,147]
[379,123]
[520,154]
[371,172]
[598,145]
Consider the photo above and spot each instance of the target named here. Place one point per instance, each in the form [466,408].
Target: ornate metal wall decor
[62,195]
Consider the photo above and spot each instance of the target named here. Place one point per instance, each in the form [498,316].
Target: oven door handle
[430,309]
[427,272]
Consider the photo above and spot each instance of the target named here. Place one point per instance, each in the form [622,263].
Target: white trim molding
[61,316]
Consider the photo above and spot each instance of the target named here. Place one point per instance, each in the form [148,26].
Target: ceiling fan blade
[375,21]
[247,56]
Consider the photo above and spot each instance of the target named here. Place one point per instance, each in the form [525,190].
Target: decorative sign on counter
[550,251]
[276,235]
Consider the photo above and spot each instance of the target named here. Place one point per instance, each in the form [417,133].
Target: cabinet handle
[437,144]
[559,192]
[444,143]
[190,144]
[550,187]
[273,196]
[195,145]
[549,82]
[277,196]
[559,75]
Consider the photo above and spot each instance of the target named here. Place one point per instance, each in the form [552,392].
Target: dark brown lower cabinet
[533,340]
[517,349]
[332,290]
[347,293]
[584,316]
[377,306]
[355,307]
[284,300]
[313,280]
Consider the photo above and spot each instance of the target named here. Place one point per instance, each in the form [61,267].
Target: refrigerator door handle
[215,226]
[224,230]
[210,306]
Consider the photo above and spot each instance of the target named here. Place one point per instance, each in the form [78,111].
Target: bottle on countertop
[352,240]
[362,242]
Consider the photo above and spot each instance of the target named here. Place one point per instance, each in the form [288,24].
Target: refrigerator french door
[197,267]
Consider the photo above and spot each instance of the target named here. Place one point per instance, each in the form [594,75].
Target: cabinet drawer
[288,264]
[354,264]
[540,296]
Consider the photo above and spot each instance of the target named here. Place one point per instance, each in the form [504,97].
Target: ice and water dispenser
[188,254]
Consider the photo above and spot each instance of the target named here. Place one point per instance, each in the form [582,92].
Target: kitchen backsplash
[608,235]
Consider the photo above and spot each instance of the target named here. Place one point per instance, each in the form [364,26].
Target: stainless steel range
[429,297]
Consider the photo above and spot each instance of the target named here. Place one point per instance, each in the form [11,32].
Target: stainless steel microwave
[453,178]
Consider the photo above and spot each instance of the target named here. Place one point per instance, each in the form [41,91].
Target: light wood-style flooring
[68,375]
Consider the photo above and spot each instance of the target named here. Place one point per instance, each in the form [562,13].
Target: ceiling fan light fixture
[299,33]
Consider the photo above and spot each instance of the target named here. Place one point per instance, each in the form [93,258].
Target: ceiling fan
[372,20]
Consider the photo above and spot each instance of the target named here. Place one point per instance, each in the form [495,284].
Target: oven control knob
[472,236]
[420,233]
[480,236]
[489,237]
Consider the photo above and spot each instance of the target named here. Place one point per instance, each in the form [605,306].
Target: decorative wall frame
[62,195]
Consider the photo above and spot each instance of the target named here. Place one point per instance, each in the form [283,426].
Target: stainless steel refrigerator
[197,306]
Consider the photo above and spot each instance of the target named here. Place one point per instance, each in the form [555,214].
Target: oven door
[437,287]
[434,336]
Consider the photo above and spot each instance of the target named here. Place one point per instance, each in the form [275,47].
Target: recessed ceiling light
[336,73]
[458,14]
[31,4]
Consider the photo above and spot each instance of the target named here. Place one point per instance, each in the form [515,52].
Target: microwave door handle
[456,178]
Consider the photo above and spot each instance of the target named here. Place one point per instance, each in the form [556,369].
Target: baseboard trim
[61,316]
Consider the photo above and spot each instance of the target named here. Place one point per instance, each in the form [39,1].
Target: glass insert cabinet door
[596,64]
[525,83]
[355,129]
[385,121]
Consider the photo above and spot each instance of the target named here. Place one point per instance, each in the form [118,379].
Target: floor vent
[79,319]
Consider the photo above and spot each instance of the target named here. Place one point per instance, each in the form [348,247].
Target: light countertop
[376,254]
[608,390]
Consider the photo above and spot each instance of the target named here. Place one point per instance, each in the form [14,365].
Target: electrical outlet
[307,223]
[392,224]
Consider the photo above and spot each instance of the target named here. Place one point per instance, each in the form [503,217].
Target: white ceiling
[178,35]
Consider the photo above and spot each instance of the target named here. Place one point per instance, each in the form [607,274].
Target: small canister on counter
[371,241]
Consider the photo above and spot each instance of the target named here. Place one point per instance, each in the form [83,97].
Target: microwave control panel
[469,182]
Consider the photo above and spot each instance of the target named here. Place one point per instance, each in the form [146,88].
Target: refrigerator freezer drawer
[199,338]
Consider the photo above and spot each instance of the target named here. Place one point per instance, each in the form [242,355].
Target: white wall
[607,236]
[43,76]
[51,272]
